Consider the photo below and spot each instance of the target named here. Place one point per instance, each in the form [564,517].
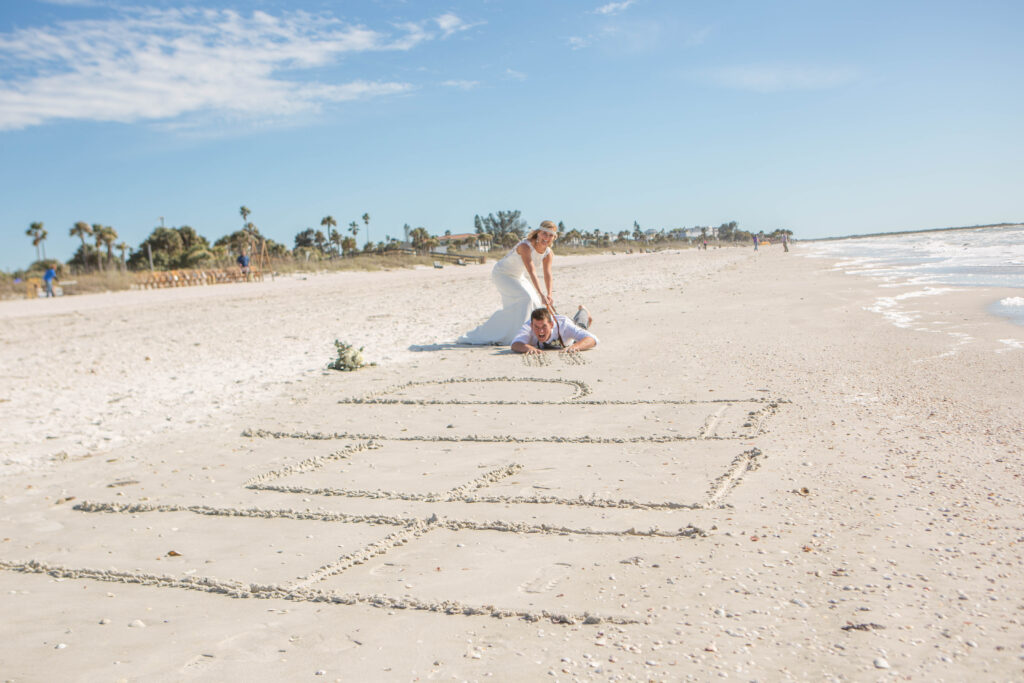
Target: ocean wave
[1012,301]
[984,257]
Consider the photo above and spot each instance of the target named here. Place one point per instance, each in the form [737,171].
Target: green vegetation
[349,358]
[95,267]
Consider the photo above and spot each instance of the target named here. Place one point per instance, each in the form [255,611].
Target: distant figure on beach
[515,276]
[785,242]
[546,332]
[48,278]
[755,242]
[243,264]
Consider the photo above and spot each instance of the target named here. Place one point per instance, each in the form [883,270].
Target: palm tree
[122,247]
[418,237]
[34,231]
[81,230]
[330,223]
[353,228]
[366,220]
[250,230]
[42,239]
[109,236]
[337,241]
[97,236]
[244,211]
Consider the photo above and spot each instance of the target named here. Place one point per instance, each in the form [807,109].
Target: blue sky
[824,118]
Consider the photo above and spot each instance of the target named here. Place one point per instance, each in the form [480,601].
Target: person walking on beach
[785,242]
[546,332]
[755,242]
[515,276]
[48,278]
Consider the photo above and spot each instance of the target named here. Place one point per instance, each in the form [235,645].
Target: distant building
[695,233]
[448,239]
[445,241]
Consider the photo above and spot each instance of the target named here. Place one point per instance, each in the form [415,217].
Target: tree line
[172,248]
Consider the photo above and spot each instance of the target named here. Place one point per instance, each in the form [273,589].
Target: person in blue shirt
[243,263]
[48,278]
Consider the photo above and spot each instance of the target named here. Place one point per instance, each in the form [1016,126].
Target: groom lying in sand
[542,333]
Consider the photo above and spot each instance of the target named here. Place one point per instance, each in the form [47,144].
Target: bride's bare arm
[547,273]
[524,253]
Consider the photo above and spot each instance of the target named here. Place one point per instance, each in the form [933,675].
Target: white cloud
[155,65]
[451,24]
[462,85]
[578,42]
[517,75]
[614,7]
[774,78]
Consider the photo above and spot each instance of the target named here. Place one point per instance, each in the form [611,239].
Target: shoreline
[913,232]
[752,475]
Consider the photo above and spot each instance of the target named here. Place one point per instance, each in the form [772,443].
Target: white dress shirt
[570,331]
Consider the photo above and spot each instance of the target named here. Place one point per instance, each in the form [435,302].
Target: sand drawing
[467,478]
[536,360]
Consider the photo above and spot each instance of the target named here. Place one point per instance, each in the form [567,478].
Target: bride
[515,276]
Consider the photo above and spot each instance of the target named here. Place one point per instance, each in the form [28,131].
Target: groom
[542,332]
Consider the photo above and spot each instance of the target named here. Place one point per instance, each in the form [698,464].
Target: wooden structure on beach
[442,256]
[206,276]
[190,278]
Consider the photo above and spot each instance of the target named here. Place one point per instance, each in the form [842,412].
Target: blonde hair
[547,226]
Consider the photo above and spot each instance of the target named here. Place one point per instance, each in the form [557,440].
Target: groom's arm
[582,339]
[521,344]
[582,344]
[522,347]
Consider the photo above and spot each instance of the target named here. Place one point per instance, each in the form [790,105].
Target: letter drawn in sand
[456,510]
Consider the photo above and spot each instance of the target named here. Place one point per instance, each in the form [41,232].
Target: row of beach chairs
[191,278]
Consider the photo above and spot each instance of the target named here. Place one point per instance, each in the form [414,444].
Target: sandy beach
[767,470]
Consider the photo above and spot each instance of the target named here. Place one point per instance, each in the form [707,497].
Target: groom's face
[541,328]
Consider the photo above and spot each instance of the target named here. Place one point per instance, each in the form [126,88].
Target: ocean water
[939,260]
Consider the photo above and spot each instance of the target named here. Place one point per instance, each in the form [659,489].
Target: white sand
[757,474]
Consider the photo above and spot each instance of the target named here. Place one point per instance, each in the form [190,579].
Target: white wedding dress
[518,298]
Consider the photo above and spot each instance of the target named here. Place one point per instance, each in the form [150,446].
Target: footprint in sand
[546,578]
[199,662]
[388,568]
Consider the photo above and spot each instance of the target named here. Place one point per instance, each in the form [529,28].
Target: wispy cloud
[461,85]
[72,3]
[516,75]
[777,78]
[157,65]
[579,42]
[614,7]
[450,24]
